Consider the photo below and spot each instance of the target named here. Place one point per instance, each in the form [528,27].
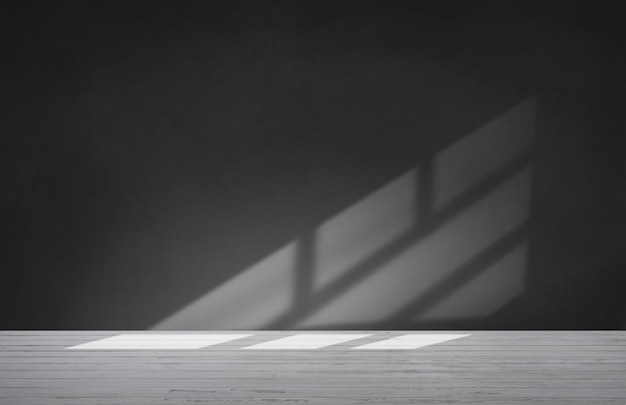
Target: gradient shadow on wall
[444,241]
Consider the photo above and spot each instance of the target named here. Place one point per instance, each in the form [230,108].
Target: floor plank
[499,367]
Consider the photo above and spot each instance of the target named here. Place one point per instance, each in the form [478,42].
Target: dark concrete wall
[151,152]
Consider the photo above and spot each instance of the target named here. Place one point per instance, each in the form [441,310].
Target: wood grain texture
[500,367]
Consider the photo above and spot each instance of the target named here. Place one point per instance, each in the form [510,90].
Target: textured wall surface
[327,164]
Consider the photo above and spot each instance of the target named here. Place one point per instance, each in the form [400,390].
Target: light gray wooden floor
[504,367]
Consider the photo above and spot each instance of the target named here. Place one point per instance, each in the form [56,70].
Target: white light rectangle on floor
[306,341]
[409,342]
[174,341]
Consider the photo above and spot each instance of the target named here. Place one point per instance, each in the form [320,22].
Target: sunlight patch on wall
[247,301]
[487,292]
[376,261]
[414,271]
[367,226]
[476,156]
[265,291]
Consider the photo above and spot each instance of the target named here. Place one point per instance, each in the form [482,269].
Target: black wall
[151,152]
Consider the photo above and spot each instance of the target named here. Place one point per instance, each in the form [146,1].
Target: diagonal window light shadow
[247,301]
[420,247]
[417,261]
[275,285]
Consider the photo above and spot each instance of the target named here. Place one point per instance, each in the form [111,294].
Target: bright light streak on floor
[409,342]
[158,341]
[307,341]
